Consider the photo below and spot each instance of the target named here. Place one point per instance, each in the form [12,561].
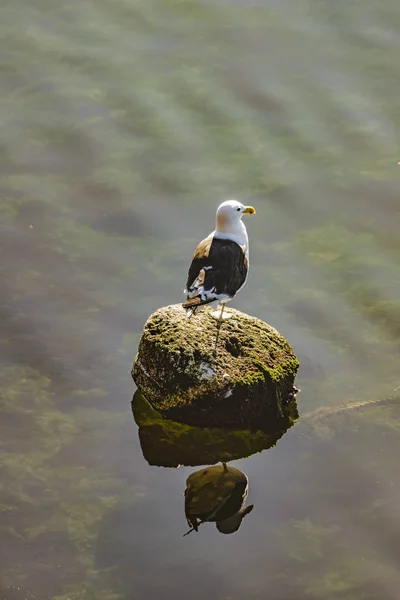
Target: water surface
[124,124]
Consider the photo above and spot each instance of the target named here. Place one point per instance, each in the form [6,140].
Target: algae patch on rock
[248,380]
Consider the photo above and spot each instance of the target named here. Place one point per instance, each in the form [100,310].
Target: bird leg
[190,531]
[222,310]
[220,319]
[216,339]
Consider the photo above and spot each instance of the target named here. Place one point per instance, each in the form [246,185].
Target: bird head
[230,212]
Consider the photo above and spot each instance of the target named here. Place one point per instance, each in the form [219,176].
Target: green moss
[249,380]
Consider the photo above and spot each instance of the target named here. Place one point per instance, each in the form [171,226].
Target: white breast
[238,235]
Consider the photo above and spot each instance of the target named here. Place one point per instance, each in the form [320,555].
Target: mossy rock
[239,374]
[167,443]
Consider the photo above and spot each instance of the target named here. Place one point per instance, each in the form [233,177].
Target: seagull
[221,261]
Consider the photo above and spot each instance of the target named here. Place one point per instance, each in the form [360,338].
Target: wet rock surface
[193,370]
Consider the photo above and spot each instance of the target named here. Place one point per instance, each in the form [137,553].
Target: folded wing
[217,272]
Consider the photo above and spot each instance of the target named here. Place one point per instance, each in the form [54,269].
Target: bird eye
[238,209]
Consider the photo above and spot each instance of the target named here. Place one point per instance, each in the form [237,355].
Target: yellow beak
[249,210]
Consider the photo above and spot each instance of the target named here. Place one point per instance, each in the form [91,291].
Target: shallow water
[123,126]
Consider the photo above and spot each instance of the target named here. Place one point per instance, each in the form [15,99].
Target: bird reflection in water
[216,494]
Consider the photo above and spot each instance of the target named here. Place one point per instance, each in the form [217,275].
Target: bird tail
[245,511]
[192,304]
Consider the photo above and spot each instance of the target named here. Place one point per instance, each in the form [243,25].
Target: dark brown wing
[200,259]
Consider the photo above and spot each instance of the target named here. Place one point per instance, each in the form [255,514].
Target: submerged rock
[194,371]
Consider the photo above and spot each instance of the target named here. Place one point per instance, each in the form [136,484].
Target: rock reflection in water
[167,443]
[216,494]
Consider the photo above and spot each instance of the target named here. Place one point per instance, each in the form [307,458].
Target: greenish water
[123,125]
